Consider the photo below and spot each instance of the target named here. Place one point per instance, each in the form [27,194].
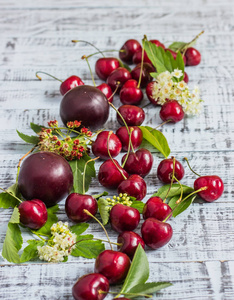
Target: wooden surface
[36,35]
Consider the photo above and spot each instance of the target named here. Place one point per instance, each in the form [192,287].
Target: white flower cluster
[59,245]
[165,88]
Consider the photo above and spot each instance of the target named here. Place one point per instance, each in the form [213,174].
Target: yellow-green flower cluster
[165,88]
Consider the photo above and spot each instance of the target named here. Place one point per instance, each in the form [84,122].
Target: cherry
[121,298]
[129,241]
[99,147]
[118,77]
[107,91]
[130,93]
[165,170]
[157,43]
[89,287]
[214,186]
[130,47]
[124,218]
[105,66]
[86,104]
[155,233]
[174,54]
[186,78]
[136,137]
[156,208]
[149,92]
[171,111]
[134,186]
[75,205]
[137,57]
[113,265]
[33,213]
[139,162]
[46,176]
[70,83]
[146,77]
[193,57]
[133,115]
[109,175]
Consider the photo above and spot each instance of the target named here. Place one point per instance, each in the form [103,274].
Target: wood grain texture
[199,260]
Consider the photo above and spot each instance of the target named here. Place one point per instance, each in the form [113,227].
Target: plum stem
[185,158]
[93,159]
[47,75]
[91,215]
[91,73]
[11,194]
[25,155]
[82,41]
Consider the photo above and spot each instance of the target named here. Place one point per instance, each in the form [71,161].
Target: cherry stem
[82,41]
[162,124]
[47,75]
[146,105]
[91,73]
[172,179]
[108,138]
[195,192]
[89,214]
[25,155]
[93,159]
[142,61]
[112,50]
[129,146]
[184,48]
[112,95]
[185,158]
[11,194]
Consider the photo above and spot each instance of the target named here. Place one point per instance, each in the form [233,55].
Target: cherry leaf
[30,252]
[182,206]
[97,196]
[31,139]
[138,205]
[88,249]
[79,228]
[6,200]
[174,191]
[52,218]
[36,128]
[148,288]
[104,210]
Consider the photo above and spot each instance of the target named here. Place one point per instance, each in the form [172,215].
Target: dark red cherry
[107,91]
[146,77]
[119,75]
[174,54]
[186,78]
[155,233]
[99,147]
[165,170]
[70,83]
[105,66]
[124,218]
[113,265]
[137,57]
[90,286]
[149,92]
[134,186]
[193,57]
[171,111]
[75,205]
[214,186]
[156,208]
[157,43]
[33,213]
[139,162]
[121,298]
[133,115]
[130,47]
[136,137]
[129,241]
[109,175]
[130,93]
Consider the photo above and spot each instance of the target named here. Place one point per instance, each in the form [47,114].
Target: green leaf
[31,139]
[36,128]
[52,218]
[148,288]
[79,228]
[84,237]
[174,191]
[7,200]
[156,139]
[97,196]
[176,46]
[13,240]
[138,272]
[180,65]
[78,169]
[30,252]
[88,249]
[104,210]
[182,206]
[138,205]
